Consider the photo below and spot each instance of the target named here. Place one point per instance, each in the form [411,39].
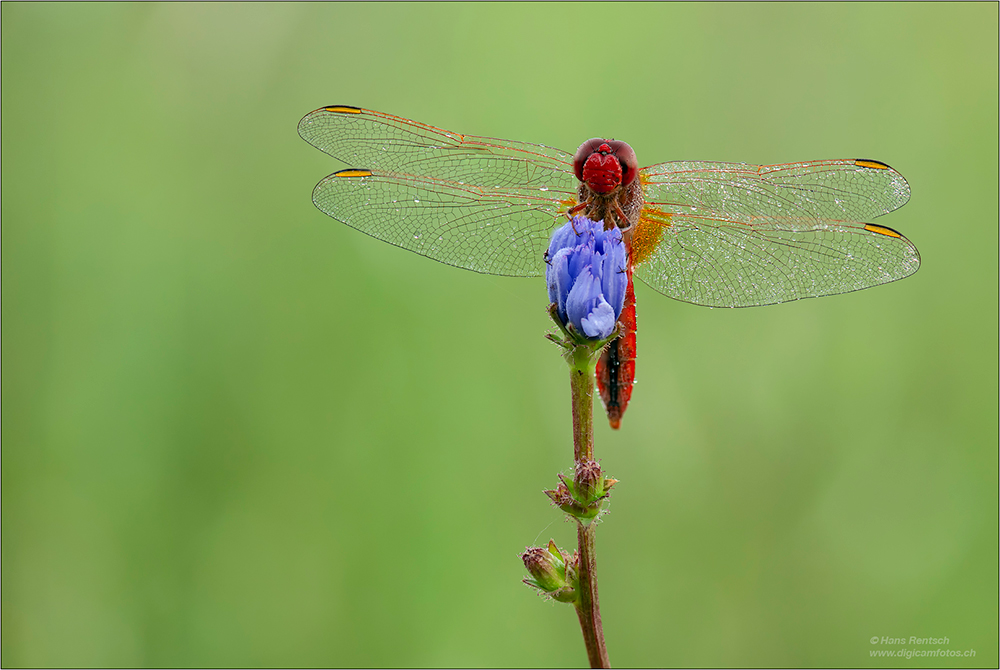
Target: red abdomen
[616,366]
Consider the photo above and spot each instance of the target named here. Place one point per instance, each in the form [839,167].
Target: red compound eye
[604,164]
[626,156]
[583,153]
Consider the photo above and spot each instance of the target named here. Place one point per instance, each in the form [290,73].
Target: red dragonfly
[708,233]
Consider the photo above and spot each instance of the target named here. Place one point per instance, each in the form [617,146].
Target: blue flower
[586,276]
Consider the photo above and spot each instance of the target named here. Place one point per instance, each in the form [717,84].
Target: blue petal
[583,298]
[551,277]
[581,257]
[585,276]
[614,279]
[563,237]
[600,322]
[562,282]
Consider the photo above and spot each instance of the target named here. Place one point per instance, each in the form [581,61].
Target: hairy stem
[587,607]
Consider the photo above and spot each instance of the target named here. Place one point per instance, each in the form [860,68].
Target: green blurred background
[239,433]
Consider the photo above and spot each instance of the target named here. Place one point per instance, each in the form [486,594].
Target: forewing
[724,262]
[390,144]
[845,190]
[493,231]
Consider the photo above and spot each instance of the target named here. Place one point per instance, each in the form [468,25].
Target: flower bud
[550,572]
[589,482]
[583,496]
[586,277]
[547,573]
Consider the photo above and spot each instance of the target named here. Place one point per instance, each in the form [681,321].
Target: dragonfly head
[603,165]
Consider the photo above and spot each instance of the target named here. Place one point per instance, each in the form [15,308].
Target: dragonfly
[707,233]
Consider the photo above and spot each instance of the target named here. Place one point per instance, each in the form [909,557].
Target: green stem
[581,370]
[582,361]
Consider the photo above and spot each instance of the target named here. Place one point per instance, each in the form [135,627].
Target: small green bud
[583,496]
[550,572]
[589,482]
[547,570]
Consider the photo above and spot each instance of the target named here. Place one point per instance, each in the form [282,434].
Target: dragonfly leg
[622,219]
[571,212]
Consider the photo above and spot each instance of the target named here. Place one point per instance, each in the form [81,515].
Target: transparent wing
[390,144]
[501,231]
[846,190]
[479,203]
[738,235]
[723,262]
